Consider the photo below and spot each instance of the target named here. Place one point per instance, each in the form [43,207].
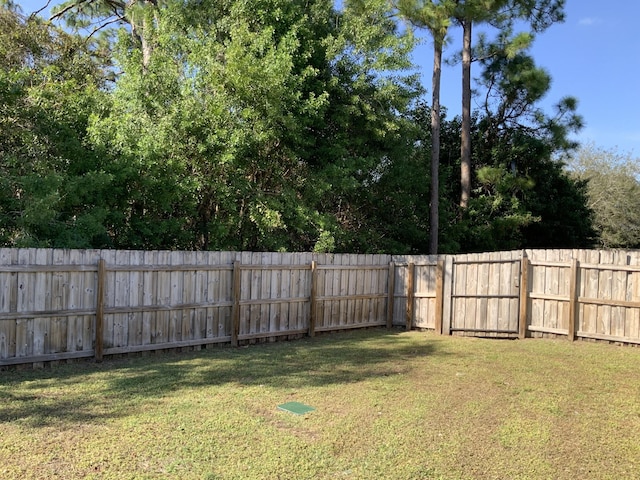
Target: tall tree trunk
[465,136]
[435,148]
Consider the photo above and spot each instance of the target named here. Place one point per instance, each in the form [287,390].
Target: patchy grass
[388,405]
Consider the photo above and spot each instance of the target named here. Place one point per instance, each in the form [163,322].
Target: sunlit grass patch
[389,404]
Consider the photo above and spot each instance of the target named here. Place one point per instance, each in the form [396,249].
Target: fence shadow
[87,392]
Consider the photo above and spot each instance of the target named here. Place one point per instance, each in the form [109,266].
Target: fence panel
[154,300]
[485,294]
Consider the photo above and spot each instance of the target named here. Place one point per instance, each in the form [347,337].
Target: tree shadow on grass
[87,393]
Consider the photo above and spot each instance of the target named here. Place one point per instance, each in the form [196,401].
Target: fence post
[410,295]
[439,292]
[99,340]
[235,309]
[446,295]
[524,296]
[314,284]
[573,299]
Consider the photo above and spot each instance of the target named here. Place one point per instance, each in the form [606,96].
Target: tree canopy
[267,125]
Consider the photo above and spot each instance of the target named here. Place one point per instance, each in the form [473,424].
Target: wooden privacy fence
[64,304]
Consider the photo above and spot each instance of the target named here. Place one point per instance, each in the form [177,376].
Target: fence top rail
[406,264]
[544,263]
[47,268]
[620,268]
[249,266]
[166,268]
[479,261]
[352,267]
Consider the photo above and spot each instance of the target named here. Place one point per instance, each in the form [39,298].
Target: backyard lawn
[388,405]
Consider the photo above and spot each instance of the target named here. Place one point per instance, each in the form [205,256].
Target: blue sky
[594,56]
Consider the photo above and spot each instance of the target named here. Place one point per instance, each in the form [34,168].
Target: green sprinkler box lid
[296,407]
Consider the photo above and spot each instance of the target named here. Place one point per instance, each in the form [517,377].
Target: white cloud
[589,21]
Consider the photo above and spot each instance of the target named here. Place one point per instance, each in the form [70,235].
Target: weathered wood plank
[590,279]
[314,303]
[149,282]
[237,296]
[523,317]
[275,285]
[119,335]
[58,324]
[99,337]
[411,275]
[265,291]
[286,323]
[605,280]
[619,293]
[8,299]
[459,283]
[471,287]
[482,304]
[632,324]
[336,291]
[163,297]
[40,299]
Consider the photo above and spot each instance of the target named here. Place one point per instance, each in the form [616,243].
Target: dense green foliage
[263,125]
[613,192]
[54,191]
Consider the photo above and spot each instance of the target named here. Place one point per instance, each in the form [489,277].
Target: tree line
[280,125]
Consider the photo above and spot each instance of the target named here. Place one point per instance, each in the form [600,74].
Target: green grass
[388,405]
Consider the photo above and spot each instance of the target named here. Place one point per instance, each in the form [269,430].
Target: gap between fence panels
[92,305]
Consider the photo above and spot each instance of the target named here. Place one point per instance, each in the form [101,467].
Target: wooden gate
[485,295]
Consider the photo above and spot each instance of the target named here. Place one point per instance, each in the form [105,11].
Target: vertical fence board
[99,337]
[494,302]
[344,305]
[265,292]
[439,294]
[314,287]
[275,282]
[573,299]
[368,289]
[306,259]
[551,287]
[255,292]
[619,292]
[163,321]
[58,324]
[411,275]
[352,259]
[524,297]
[447,288]
[237,297]
[591,278]
[8,300]
[122,289]
[483,289]
[201,326]
[514,290]
[459,304]
[391,287]
[537,287]
[506,281]
[632,324]
[285,292]
[224,318]
[40,300]
[294,291]
[472,287]
[605,280]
